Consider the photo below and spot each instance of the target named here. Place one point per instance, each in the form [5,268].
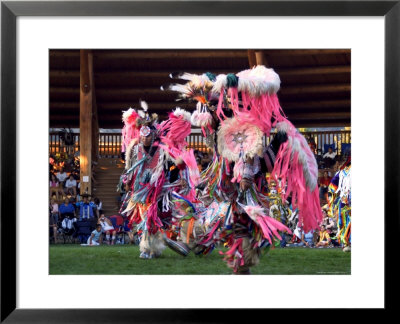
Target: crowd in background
[325,236]
[67,204]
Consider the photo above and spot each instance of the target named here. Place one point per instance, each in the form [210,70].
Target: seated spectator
[54,210]
[329,158]
[308,238]
[53,217]
[70,186]
[324,238]
[62,176]
[96,238]
[86,208]
[323,186]
[75,174]
[297,233]
[54,187]
[51,163]
[325,180]
[66,210]
[312,145]
[107,228]
[328,222]
[303,239]
[68,225]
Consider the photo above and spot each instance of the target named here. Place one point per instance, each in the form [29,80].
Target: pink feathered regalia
[235,111]
[156,163]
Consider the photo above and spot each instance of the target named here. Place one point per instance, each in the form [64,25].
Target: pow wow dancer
[157,165]
[235,112]
[340,204]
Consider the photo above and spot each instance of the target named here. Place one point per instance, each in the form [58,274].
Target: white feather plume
[220,83]
[187,76]
[298,144]
[201,119]
[126,114]
[182,112]
[198,80]
[182,88]
[258,81]
[283,126]
[194,118]
[307,159]
[144,105]
[254,212]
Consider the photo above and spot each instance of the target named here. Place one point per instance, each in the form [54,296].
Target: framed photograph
[29,30]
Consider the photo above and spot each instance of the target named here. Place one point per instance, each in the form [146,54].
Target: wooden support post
[251,54]
[95,127]
[260,58]
[86,124]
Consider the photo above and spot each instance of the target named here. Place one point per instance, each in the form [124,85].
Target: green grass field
[124,259]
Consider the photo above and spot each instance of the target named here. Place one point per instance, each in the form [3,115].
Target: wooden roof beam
[149,92]
[342,103]
[284,73]
[64,53]
[289,52]
[109,114]
[62,105]
[232,53]
[305,71]
[131,73]
[169,54]
[313,89]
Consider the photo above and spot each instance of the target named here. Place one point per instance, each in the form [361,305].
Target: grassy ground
[124,259]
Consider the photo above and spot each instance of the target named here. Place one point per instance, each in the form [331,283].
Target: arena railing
[110,143]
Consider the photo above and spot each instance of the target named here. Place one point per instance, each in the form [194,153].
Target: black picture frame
[10,10]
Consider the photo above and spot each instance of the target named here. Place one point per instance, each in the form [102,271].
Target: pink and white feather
[258,81]
[190,161]
[201,119]
[219,84]
[270,227]
[129,131]
[174,132]
[297,168]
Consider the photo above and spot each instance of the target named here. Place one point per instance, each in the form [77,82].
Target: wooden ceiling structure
[315,84]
